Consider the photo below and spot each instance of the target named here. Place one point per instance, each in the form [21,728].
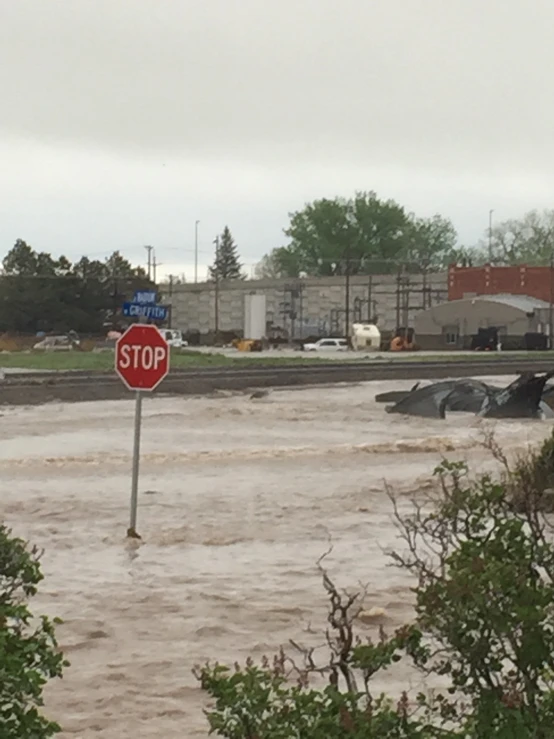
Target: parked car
[327,345]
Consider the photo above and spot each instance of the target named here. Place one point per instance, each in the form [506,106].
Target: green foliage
[378,236]
[261,703]
[431,243]
[530,480]
[527,240]
[485,607]
[534,472]
[484,622]
[464,256]
[29,654]
[364,235]
[279,263]
[226,265]
[38,292]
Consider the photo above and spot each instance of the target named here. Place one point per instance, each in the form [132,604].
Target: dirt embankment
[30,391]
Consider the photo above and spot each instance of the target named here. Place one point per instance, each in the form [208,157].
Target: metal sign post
[132,531]
[142,362]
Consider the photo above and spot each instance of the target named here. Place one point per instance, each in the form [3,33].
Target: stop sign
[142,357]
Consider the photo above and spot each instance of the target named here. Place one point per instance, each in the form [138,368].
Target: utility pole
[149,250]
[216,271]
[490,235]
[154,265]
[347,296]
[196,251]
[551,308]
[115,292]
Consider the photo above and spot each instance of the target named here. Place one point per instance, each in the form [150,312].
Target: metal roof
[525,303]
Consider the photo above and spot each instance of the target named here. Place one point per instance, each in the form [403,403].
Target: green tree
[22,261]
[527,240]
[364,235]
[279,263]
[468,256]
[38,292]
[320,236]
[431,243]
[482,557]
[382,234]
[30,288]
[116,265]
[226,265]
[29,653]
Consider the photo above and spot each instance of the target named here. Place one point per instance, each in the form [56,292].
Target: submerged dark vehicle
[393,396]
[432,401]
[521,399]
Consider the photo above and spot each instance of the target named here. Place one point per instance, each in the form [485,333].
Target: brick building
[467,282]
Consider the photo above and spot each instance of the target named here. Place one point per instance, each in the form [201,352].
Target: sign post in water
[142,362]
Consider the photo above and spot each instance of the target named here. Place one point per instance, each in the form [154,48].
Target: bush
[532,477]
[29,654]
[484,623]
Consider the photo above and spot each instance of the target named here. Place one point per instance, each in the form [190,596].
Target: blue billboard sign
[138,310]
[145,297]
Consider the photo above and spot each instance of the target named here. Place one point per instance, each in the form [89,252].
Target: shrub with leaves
[484,623]
[29,654]
[485,606]
[531,479]
[277,700]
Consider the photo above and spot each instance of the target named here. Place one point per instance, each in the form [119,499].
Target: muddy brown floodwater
[237,500]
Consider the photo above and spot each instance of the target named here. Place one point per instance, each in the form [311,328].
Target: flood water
[237,501]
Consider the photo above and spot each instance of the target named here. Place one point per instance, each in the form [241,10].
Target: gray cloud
[420,82]
[122,121]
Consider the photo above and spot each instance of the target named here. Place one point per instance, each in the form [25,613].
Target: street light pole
[490,235]
[196,251]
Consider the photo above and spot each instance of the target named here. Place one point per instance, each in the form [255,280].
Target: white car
[327,345]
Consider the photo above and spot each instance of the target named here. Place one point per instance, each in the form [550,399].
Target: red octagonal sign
[142,357]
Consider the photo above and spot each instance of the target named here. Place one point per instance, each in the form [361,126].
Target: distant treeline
[40,293]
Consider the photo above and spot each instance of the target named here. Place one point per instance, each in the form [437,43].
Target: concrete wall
[436,326]
[193,305]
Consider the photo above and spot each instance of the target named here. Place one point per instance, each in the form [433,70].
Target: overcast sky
[122,122]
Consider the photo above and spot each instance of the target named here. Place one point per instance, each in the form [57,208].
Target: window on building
[451,335]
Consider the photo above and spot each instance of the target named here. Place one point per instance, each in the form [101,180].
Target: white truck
[174,337]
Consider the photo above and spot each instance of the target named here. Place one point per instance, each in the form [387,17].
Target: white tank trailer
[366,337]
[254,316]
